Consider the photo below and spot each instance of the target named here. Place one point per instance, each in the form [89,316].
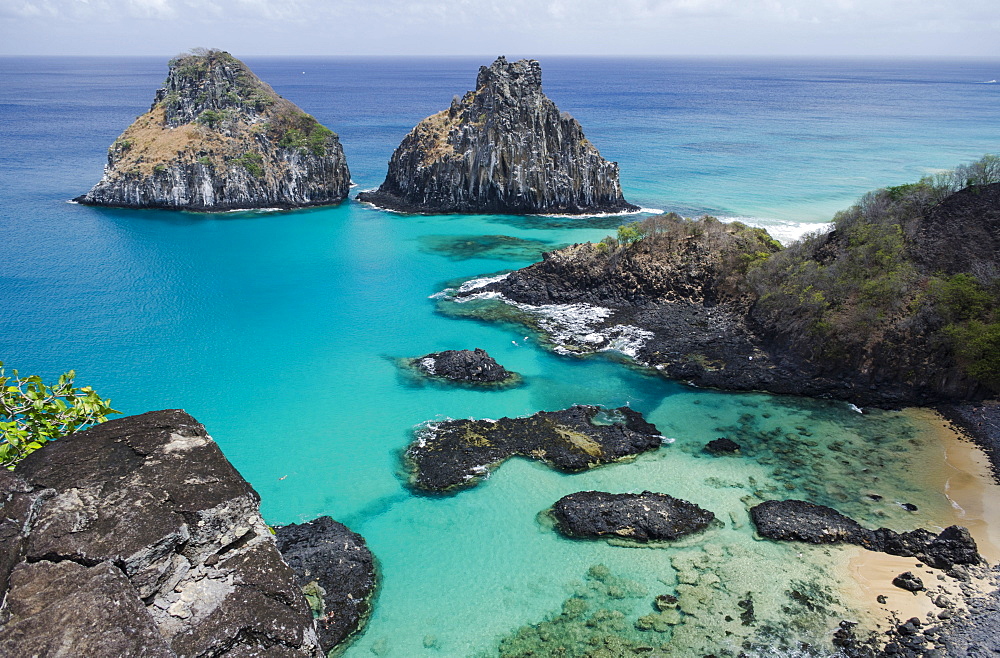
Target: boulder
[336,571]
[639,517]
[474,366]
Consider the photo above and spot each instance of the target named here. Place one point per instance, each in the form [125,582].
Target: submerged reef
[638,517]
[798,520]
[219,138]
[502,148]
[138,537]
[456,454]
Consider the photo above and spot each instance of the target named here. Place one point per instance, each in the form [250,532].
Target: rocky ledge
[798,520]
[637,517]
[503,148]
[336,572]
[458,453]
[138,538]
[470,366]
[219,138]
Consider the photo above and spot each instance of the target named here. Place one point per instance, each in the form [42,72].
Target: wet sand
[962,473]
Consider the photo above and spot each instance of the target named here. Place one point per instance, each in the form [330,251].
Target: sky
[854,28]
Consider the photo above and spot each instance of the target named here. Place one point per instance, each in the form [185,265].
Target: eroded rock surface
[138,537]
[336,571]
[502,148]
[458,453]
[475,366]
[798,520]
[219,138]
[639,517]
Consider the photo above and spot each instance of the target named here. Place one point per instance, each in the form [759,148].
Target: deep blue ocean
[279,330]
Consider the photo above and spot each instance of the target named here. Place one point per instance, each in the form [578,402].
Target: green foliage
[205,160]
[33,413]
[629,233]
[972,312]
[301,131]
[252,162]
[160,168]
[211,118]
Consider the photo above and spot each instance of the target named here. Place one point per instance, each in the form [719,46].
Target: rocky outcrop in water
[798,520]
[502,148]
[138,537]
[458,453]
[219,138]
[637,517]
[335,570]
[474,366]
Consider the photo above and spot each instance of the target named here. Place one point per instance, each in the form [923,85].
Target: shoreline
[979,423]
[969,613]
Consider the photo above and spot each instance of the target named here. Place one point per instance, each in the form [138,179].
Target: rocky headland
[475,367]
[138,538]
[641,517]
[219,138]
[457,454]
[503,148]
[798,520]
[878,311]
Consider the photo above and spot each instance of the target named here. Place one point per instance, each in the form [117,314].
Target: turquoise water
[279,330]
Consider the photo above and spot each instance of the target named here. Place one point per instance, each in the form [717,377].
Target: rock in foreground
[798,520]
[639,517]
[458,453]
[138,537]
[336,571]
[503,148]
[219,138]
[473,366]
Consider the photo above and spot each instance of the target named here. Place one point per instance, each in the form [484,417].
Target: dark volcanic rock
[908,581]
[66,609]
[463,365]
[218,138]
[458,453]
[502,148]
[711,303]
[798,520]
[640,517]
[722,446]
[336,571]
[138,537]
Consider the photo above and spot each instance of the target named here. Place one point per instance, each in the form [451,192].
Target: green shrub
[629,233]
[33,413]
[211,118]
[252,162]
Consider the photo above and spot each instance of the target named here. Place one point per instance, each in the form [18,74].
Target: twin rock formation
[218,138]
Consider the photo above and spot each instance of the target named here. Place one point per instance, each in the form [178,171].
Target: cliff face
[138,538]
[503,148]
[218,138]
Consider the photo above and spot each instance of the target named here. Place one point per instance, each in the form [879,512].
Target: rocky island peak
[503,148]
[217,138]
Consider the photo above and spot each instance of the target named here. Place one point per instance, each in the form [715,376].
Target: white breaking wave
[640,211]
[782,230]
[572,328]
